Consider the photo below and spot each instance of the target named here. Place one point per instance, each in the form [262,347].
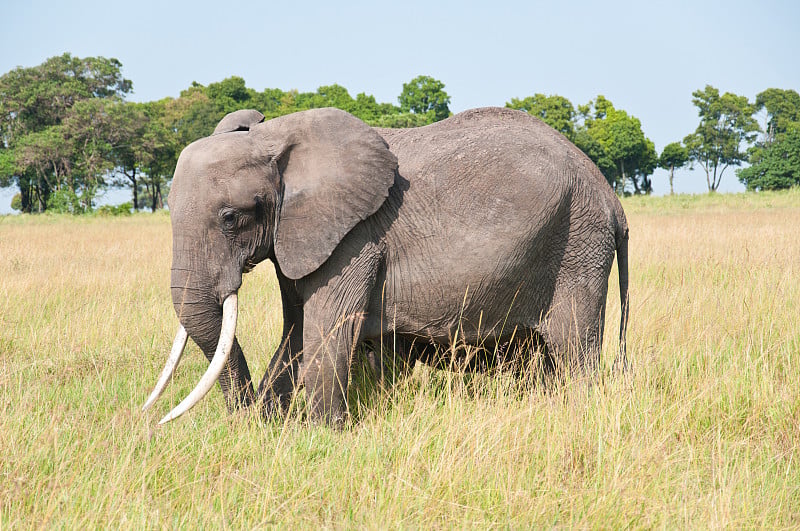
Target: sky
[647,57]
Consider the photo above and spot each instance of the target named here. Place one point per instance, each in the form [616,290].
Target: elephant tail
[622,266]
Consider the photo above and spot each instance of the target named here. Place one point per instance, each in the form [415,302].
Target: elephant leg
[327,358]
[279,382]
[394,359]
[235,382]
[333,316]
[573,330]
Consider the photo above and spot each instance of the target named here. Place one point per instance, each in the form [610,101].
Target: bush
[123,209]
[65,201]
[778,167]
[16,203]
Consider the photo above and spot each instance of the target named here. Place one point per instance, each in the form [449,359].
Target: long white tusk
[230,310]
[169,369]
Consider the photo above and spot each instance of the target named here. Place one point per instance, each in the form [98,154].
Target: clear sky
[645,56]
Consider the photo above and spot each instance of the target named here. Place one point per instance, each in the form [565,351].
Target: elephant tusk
[172,362]
[230,310]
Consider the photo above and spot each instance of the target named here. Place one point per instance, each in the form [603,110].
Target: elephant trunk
[212,326]
[230,310]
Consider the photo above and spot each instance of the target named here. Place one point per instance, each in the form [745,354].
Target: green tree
[425,95]
[164,147]
[131,146]
[616,143]
[270,102]
[782,109]
[41,101]
[372,112]
[781,114]
[230,94]
[674,156]
[726,127]
[196,113]
[326,96]
[778,167]
[90,132]
[556,111]
[42,160]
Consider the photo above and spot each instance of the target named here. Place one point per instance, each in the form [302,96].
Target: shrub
[123,209]
[16,203]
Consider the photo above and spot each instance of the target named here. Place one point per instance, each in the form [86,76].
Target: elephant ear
[241,120]
[336,171]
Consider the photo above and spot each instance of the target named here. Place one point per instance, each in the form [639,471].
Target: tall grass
[704,432]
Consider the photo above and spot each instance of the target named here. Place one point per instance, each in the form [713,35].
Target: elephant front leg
[279,382]
[327,358]
[333,315]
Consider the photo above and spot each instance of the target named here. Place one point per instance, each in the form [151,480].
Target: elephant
[486,226]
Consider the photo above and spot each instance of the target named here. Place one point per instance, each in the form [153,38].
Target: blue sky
[646,57]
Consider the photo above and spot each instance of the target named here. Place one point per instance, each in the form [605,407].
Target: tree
[782,112]
[131,146]
[165,147]
[425,95]
[726,127]
[556,111]
[781,109]
[778,167]
[230,94]
[50,137]
[674,156]
[196,114]
[326,96]
[368,109]
[42,161]
[91,132]
[616,143]
[271,102]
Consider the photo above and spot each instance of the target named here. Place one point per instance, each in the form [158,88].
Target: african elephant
[489,223]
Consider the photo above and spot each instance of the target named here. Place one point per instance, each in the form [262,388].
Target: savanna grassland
[704,432]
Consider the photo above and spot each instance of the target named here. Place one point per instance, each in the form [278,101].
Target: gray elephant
[489,226]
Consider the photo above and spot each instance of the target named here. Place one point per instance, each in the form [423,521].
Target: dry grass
[704,433]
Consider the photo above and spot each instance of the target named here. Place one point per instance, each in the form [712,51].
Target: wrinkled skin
[488,225]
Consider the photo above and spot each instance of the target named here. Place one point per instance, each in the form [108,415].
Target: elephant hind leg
[573,332]
[528,356]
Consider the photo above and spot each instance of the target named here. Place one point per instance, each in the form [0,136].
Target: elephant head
[288,189]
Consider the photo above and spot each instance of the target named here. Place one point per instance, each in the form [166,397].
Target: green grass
[703,433]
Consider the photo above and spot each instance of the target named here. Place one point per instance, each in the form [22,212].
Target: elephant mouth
[249,265]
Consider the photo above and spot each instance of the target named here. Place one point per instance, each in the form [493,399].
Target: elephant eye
[228,218]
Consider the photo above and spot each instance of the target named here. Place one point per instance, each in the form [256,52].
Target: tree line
[67,132]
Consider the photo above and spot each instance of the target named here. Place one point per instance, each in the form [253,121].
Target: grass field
[703,433]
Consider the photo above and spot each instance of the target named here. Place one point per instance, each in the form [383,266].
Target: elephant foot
[274,406]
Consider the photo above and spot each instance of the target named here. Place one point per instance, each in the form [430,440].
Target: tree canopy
[556,111]
[67,132]
[674,156]
[778,166]
[617,144]
[726,127]
[782,109]
[425,95]
[54,128]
